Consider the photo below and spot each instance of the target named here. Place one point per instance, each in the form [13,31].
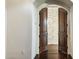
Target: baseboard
[36,57]
[69,56]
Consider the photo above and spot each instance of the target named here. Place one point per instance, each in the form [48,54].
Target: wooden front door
[43,34]
[63,31]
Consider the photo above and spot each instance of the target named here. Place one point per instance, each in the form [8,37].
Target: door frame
[66,13]
[45,5]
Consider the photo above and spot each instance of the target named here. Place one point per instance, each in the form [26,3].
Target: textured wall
[37,24]
[52,25]
[70,40]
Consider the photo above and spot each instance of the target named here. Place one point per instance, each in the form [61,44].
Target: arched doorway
[62,34]
[66,5]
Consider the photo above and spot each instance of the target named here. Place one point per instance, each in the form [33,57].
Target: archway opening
[53,32]
[66,5]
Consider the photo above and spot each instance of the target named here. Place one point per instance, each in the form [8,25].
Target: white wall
[52,25]
[19,32]
[71,30]
[34,32]
[70,41]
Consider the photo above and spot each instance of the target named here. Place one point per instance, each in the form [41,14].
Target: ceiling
[67,3]
[17,2]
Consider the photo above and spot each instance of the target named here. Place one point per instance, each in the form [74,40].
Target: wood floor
[53,51]
[54,54]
